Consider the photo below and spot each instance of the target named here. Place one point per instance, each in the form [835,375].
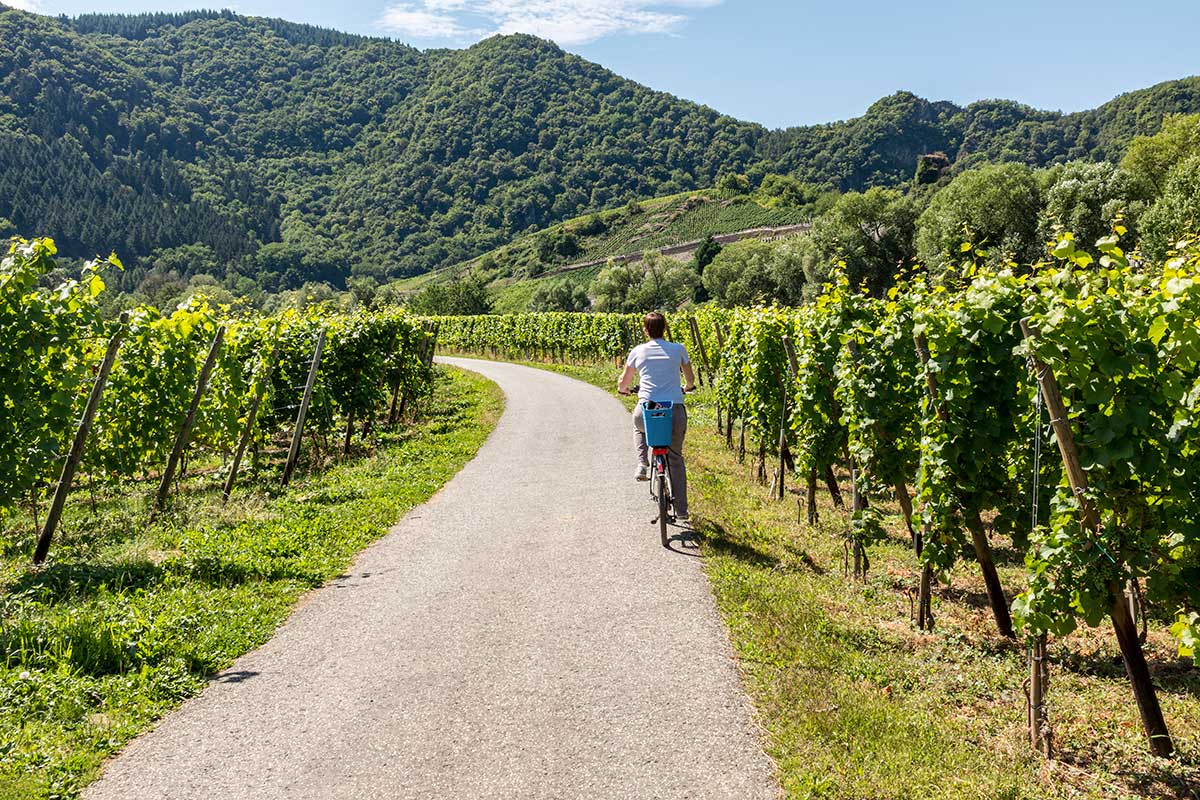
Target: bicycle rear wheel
[663,508]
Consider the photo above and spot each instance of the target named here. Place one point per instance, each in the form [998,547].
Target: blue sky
[791,63]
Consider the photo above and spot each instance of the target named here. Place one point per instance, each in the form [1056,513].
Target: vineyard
[144,396]
[686,221]
[652,225]
[1052,407]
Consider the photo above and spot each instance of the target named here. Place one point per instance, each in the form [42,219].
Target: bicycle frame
[660,467]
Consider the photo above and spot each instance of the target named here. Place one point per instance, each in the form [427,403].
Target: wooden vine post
[858,498]
[786,380]
[703,351]
[75,454]
[983,550]
[393,407]
[183,436]
[728,417]
[1123,623]
[248,430]
[349,438]
[305,400]
[1039,682]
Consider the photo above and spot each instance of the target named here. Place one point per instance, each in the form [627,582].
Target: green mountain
[264,152]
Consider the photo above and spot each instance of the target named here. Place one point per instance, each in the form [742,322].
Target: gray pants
[674,458]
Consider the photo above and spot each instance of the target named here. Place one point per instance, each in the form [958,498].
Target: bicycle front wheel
[663,507]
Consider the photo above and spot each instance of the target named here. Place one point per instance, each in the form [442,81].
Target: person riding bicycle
[658,364]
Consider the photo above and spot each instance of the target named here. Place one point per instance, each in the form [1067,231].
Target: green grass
[858,704]
[128,618]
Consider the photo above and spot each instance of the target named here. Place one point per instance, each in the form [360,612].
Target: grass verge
[859,704]
[129,618]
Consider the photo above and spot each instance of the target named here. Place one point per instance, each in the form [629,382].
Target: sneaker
[684,519]
[643,472]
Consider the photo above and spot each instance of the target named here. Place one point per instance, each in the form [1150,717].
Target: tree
[594,226]
[754,272]
[704,254]
[1175,214]
[1151,158]
[559,295]
[1085,197]
[783,190]
[657,283]
[733,184]
[871,232]
[460,298]
[614,285]
[666,284]
[994,207]
[932,167]
[364,292]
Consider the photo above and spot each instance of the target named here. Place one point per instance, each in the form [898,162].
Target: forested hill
[261,151]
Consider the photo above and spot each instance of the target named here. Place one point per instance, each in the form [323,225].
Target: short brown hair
[655,324]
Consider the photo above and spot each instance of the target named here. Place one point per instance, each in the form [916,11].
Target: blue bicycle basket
[658,425]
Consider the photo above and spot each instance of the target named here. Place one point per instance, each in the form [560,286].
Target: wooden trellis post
[75,454]
[185,426]
[1039,681]
[298,434]
[698,346]
[1123,624]
[248,430]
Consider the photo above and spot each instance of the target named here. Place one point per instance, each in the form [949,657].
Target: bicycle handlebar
[634,390]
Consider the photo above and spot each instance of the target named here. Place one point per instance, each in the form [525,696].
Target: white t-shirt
[658,362]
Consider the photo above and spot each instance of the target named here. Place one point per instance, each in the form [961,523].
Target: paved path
[521,635]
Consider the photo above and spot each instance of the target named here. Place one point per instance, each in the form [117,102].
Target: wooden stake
[248,430]
[1039,726]
[75,454]
[185,426]
[812,496]
[906,508]
[349,433]
[708,366]
[925,599]
[783,426]
[697,365]
[793,368]
[395,398]
[831,484]
[991,579]
[1123,624]
[858,503]
[298,433]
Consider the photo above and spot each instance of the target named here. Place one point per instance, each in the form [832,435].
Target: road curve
[522,634]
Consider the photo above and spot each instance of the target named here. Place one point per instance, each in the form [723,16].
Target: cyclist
[658,363]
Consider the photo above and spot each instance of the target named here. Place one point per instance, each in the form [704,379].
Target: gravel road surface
[521,635]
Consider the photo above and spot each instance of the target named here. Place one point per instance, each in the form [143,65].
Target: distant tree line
[264,156]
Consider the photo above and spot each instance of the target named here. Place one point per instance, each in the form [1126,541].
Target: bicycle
[658,422]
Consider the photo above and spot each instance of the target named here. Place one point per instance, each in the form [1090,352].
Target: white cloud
[420,23]
[567,22]
[23,5]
